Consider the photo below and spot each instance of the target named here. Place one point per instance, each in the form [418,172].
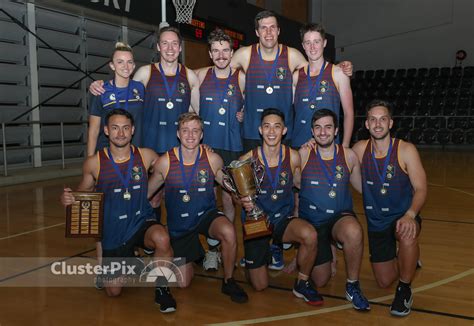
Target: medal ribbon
[329,174]
[269,77]
[312,93]
[125,179]
[117,100]
[188,180]
[382,175]
[169,91]
[218,88]
[273,181]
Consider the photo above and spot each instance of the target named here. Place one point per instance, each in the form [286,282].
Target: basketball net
[184,10]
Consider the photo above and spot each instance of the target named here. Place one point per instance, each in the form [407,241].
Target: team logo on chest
[283,178]
[390,171]
[323,86]
[230,90]
[136,94]
[137,173]
[182,88]
[281,73]
[203,176]
[112,97]
[339,172]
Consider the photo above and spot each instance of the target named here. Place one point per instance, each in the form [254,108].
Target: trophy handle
[227,182]
[259,174]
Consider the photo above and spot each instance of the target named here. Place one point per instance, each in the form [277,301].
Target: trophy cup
[242,178]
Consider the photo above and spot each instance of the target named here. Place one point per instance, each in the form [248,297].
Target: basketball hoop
[184,10]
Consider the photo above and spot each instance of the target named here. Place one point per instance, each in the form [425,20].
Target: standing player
[121,92]
[120,172]
[326,202]
[188,172]
[221,104]
[319,85]
[282,166]
[394,190]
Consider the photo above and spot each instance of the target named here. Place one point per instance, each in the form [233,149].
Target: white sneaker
[211,261]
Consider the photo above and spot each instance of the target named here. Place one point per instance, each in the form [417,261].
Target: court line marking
[31,231]
[451,188]
[345,306]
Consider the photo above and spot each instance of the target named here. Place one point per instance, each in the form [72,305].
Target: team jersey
[103,104]
[323,96]
[283,206]
[316,203]
[160,122]
[184,217]
[256,98]
[382,209]
[218,110]
[123,218]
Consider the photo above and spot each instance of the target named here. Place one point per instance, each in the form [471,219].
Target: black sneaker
[164,299]
[232,289]
[401,305]
[99,282]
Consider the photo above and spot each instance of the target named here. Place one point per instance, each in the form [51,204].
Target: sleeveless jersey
[315,204]
[185,217]
[324,96]
[281,208]
[123,218]
[382,210]
[103,104]
[160,123]
[222,130]
[256,98]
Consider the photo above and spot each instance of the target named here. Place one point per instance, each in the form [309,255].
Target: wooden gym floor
[32,225]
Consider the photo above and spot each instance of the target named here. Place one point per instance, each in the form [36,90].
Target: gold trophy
[84,218]
[242,178]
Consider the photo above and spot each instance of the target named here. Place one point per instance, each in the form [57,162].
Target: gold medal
[269,90]
[186,198]
[274,197]
[389,176]
[332,193]
[127,195]
[221,111]
[383,191]
[338,176]
[169,105]
[312,106]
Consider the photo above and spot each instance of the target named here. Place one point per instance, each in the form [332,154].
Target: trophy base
[256,228]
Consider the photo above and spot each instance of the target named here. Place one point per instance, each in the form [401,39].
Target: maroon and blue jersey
[382,209]
[315,204]
[103,104]
[122,217]
[184,217]
[309,98]
[160,122]
[283,206]
[218,108]
[256,98]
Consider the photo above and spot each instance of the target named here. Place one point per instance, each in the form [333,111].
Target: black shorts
[325,238]
[227,156]
[127,250]
[187,248]
[383,244]
[257,251]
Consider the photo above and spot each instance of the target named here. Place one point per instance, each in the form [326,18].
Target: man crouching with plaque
[120,172]
[281,165]
[188,172]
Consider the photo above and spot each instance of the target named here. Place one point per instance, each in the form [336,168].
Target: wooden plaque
[84,218]
[256,228]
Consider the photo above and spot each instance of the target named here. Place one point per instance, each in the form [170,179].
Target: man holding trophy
[280,165]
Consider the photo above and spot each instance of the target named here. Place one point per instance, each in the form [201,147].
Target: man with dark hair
[188,172]
[394,190]
[120,172]
[319,84]
[282,165]
[221,104]
[325,201]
